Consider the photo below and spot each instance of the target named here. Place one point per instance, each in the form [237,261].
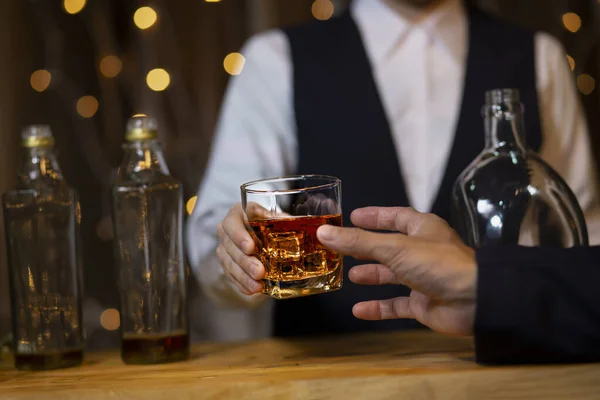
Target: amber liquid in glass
[154,349]
[296,263]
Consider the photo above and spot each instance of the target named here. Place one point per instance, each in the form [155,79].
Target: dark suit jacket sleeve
[538,305]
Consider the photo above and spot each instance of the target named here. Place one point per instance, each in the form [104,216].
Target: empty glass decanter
[508,195]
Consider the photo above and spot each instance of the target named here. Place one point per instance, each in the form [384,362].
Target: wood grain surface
[404,365]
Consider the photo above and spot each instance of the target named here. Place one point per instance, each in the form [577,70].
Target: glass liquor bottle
[41,220]
[147,209]
[508,195]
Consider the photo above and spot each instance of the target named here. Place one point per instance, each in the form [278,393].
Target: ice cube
[290,270]
[285,246]
[285,270]
[315,262]
[271,270]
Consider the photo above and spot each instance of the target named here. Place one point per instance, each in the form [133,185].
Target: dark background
[190,40]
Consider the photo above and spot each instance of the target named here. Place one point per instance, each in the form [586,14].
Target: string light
[322,9]
[158,79]
[73,6]
[586,84]
[110,66]
[109,319]
[104,229]
[191,203]
[87,106]
[571,21]
[234,63]
[40,80]
[144,17]
[571,62]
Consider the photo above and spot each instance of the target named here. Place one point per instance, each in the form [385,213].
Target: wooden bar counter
[404,365]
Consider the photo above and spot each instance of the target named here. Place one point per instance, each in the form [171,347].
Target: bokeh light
[571,21]
[40,80]
[158,79]
[87,106]
[110,66]
[145,17]
[109,319]
[586,84]
[104,229]
[571,61]
[234,63]
[73,6]
[191,203]
[322,9]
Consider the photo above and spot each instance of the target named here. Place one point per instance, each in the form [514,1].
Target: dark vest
[343,131]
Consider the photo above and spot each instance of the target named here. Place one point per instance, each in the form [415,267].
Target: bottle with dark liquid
[147,207]
[41,220]
[509,195]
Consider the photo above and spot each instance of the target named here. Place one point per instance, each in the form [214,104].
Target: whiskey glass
[283,215]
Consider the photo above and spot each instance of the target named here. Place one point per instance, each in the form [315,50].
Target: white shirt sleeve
[566,143]
[255,139]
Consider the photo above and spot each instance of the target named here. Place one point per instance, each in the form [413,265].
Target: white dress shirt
[419,68]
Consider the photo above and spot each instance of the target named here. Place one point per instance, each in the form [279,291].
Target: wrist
[470,278]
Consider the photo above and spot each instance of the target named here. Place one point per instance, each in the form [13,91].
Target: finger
[235,283]
[361,244]
[233,226]
[372,274]
[318,204]
[236,274]
[376,310]
[251,265]
[223,262]
[256,211]
[400,219]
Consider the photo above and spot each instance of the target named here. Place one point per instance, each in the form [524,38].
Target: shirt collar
[382,27]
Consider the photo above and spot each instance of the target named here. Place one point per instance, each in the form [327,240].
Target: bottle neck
[39,163]
[504,126]
[142,157]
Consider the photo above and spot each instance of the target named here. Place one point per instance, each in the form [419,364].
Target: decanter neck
[503,114]
[39,163]
[142,157]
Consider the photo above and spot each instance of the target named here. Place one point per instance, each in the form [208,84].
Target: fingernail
[325,232]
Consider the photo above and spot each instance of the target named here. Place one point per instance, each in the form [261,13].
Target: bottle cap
[37,136]
[141,127]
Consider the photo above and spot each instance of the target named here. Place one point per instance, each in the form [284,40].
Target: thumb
[361,244]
